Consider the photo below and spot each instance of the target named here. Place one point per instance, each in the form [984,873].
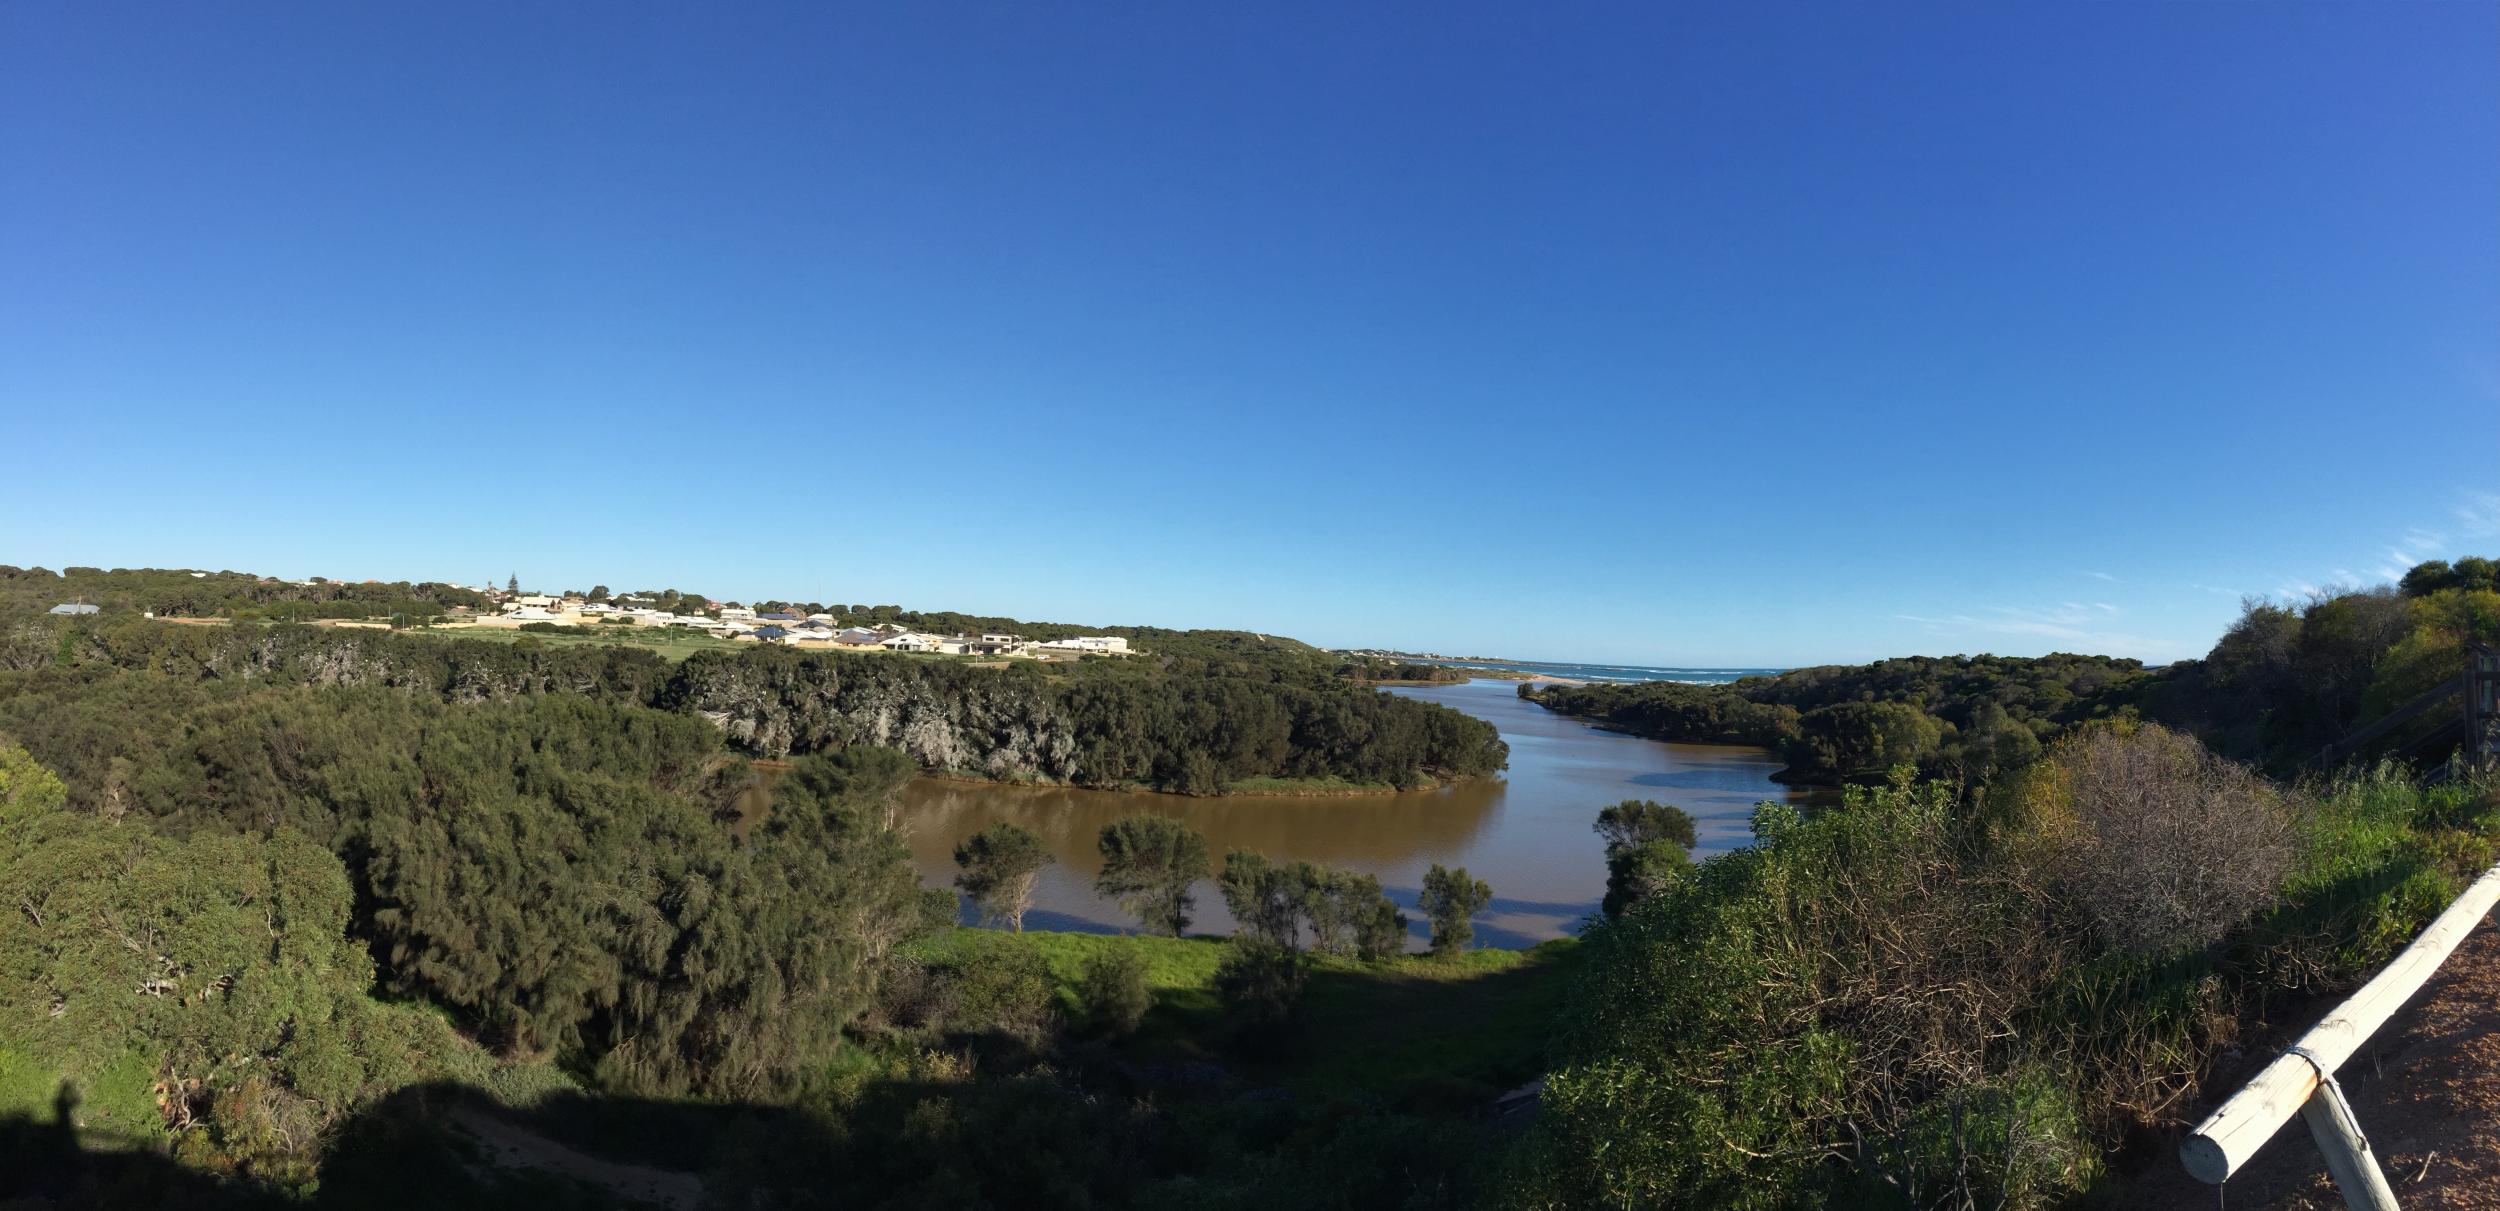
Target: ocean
[1614,672]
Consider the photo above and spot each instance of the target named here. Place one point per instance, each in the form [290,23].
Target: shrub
[2169,846]
[1000,987]
[1851,1003]
[1262,981]
[1112,993]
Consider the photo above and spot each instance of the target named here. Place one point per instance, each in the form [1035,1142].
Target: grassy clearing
[1418,1031]
[1179,971]
[114,1109]
[1457,1031]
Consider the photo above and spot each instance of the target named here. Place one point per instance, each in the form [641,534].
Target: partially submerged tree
[1148,865]
[1452,899]
[1345,913]
[1001,864]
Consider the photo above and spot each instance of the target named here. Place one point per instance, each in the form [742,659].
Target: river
[1526,832]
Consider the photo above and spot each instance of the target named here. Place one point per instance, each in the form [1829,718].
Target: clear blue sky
[1668,334]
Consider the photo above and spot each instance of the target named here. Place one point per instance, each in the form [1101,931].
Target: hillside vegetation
[282,907]
[2281,685]
[1190,724]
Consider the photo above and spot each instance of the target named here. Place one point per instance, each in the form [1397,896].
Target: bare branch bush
[2170,846]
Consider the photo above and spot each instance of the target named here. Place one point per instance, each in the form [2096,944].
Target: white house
[1102,645]
[909,641]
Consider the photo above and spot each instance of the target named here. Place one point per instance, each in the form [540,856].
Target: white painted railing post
[2302,1080]
[2347,1152]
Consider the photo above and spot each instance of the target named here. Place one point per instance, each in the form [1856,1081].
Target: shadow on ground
[1386,1079]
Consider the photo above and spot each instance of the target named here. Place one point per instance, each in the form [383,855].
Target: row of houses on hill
[795,630]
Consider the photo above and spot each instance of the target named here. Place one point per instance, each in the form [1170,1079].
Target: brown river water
[1527,832]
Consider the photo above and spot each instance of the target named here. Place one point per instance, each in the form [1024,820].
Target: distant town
[731,621]
[1393,654]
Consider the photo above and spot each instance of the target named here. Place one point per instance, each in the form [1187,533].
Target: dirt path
[513,1146]
[2426,1090]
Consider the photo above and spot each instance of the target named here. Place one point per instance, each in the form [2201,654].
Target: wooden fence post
[2347,1152]
[2302,1080]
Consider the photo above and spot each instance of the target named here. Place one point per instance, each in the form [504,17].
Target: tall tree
[1646,843]
[513,585]
[1452,899]
[1346,913]
[1001,864]
[1148,865]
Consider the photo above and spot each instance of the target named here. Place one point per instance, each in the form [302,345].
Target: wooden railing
[2302,1080]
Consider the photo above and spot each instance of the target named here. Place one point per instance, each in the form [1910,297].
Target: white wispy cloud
[2079,626]
[2102,576]
[2480,514]
[2477,515]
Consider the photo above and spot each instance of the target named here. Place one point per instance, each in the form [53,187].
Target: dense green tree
[1637,822]
[1647,842]
[220,961]
[1350,915]
[1338,912]
[1149,864]
[27,789]
[2427,577]
[1266,899]
[1842,723]
[1450,900]
[1000,865]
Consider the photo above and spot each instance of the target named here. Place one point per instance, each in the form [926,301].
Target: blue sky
[1665,334]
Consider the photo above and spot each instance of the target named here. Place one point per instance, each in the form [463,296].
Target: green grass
[116,1108]
[1417,1031]
[26,1088]
[1179,971]
[1462,1029]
